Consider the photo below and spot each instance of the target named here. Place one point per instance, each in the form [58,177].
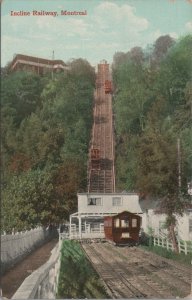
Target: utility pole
[38,66]
[179,162]
[53,57]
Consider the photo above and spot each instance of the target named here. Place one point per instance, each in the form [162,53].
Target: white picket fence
[15,246]
[184,246]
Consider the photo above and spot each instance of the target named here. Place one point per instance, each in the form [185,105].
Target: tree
[21,91]
[119,58]
[46,132]
[152,107]
[82,68]
[26,201]
[137,56]
[161,47]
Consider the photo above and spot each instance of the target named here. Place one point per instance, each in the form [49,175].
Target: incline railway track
[134,273]
[101,179]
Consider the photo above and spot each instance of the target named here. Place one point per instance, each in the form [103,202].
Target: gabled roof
[126,212]
[26,58]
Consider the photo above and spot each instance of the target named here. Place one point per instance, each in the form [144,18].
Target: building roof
[108,194]
[124,213]
[26,59]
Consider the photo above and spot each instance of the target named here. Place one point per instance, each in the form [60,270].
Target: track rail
[130,273]
[118,284]
[102,179]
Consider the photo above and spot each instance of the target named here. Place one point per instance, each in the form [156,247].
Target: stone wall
[14,247]
[42,283]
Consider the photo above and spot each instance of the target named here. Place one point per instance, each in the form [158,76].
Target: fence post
[179,246]
[167,245]
[185,245]
[172,248]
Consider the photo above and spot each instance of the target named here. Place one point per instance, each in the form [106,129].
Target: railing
[86,232]
[42,283]
[184,246]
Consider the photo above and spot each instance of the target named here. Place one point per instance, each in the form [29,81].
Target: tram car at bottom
[123,228]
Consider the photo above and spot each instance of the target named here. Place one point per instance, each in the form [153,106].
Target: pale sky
[110,26]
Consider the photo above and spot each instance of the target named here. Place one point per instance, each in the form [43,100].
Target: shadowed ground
[13,278]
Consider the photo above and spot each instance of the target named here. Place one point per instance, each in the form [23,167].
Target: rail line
[102,178]
[162,272]
[147,285]
[130,273]
[119,285]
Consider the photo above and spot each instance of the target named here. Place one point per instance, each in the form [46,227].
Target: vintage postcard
[96,149]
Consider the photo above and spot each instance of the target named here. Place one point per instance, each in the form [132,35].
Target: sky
[110,26]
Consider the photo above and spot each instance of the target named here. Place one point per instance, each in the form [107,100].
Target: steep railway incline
[101,175]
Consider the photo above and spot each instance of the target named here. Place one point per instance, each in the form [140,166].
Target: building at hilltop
[37,65]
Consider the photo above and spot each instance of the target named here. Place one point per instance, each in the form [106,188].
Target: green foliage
[77,278]
[46,129]
[26,201]
[21,91]
[152,106]
[180,257]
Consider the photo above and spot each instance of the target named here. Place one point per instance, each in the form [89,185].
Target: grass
[77,278]
[180,257]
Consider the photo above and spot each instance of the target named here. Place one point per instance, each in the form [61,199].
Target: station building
[88,221]
[37,65]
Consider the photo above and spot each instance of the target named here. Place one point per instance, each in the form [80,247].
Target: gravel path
[13,278]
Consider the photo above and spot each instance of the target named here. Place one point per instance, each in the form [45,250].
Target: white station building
[93,207]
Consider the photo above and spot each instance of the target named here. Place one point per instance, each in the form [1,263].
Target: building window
[134,222]
[117,223]
[116,201]
[94,201]
[125,223]
[190,225]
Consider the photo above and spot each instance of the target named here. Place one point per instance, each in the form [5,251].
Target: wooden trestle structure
[101,174]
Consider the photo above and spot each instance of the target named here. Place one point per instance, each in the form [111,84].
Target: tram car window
[124,223]
[116,223]
[123,228]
